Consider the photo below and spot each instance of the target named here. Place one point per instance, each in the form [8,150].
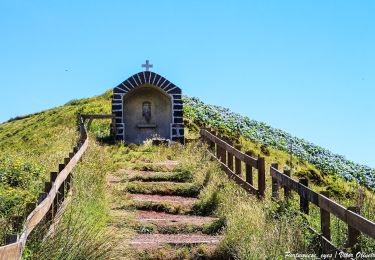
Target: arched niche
[164,90]
[147,113]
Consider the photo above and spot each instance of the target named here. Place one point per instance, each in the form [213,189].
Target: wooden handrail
[229,148]
[351,218]
[356,223]
[225,152]
[14,250]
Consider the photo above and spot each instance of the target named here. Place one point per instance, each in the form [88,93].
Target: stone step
[170,163]
[165,219]
[146,240]
[163,166]
[186,201]
[163,188]
[168,204]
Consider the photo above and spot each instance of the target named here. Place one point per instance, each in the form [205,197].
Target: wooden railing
[91,117]
[224,152]
[49,201]
[357,224]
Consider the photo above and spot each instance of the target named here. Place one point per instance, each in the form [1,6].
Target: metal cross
[147,65]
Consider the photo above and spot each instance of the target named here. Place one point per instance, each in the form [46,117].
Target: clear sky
[307,67]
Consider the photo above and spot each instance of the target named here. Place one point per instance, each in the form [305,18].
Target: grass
[249,226]
[249,231]
[172,229]
[166,207]
[164,188]
[172,177]
[33,145]
[81,232]
[201,252]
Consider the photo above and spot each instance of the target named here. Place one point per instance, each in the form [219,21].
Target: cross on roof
[147,65]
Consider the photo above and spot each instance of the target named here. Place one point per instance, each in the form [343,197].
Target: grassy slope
[33,146]
[234,124]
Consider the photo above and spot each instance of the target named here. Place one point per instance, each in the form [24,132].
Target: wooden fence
[225,153]
[49,201]
[91,117]
[357,224]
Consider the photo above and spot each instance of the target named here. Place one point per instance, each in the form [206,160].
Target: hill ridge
[233,123]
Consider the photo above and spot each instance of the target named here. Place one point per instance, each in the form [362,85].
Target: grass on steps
[167,207]
[170,229]
[248,228]
[152,167]
[212,228]
[172,177]
[164,188]
[168,252]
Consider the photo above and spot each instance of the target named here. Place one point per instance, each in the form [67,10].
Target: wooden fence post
[211,143]
[66,161]
[61,190]
[249,172]
[286,189]
[68,178]
[261,176]
[238,162]
[41,197]
[230,157]
[212,146]
[30,206]
[353,233]
[304,202]
[68,182]
[217,148]
[325,220]
[275,184]
[60,195]
[223,157]
[61,167]
[17,222]
[49,214]
[55,202]
[10,238]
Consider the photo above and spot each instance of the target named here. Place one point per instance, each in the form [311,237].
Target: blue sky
[306,67]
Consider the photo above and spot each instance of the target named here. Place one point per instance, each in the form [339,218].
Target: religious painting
[146,111]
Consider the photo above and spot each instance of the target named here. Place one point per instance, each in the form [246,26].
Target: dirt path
[163,225]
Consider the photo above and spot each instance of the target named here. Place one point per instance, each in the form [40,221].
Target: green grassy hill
[32,146]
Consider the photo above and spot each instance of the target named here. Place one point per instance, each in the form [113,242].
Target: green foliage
[184,176]
[166,207]
[33,145]
[164,188]
[81,233]
[16,171]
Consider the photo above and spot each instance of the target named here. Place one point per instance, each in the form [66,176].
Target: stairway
[165,223]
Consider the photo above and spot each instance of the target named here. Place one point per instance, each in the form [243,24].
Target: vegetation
[81,232]
[33,145]
[232,123]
